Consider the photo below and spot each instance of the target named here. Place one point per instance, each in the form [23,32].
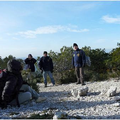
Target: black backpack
[3,77]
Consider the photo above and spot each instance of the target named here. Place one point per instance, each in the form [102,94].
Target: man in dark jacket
[78,62]
[30,61]
[12,89]
[46,66]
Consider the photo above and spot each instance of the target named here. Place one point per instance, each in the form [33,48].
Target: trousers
[45,73]
[80,74]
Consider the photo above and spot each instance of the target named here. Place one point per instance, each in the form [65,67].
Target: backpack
[3,75]
[88,61]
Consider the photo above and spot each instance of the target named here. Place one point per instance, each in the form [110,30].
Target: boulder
[112,91]
[77,92]
[59,115]
[74,92]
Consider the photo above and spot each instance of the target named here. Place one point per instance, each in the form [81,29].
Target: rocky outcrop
[77,92]
[112,91]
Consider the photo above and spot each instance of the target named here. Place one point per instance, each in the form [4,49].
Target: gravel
[96,105]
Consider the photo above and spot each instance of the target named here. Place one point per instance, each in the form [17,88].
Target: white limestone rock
[59,115]
[116,104]
[112,91]
[77,92]
[74,92]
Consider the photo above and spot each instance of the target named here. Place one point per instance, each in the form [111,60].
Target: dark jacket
[46,64]
[78,58]
[31,63]
[11,82]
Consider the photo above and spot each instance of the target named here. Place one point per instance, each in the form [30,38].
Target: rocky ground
[58,98]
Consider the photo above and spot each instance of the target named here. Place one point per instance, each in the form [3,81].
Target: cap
[75,44]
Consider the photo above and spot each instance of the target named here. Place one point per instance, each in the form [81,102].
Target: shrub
[103,65]
[32,78]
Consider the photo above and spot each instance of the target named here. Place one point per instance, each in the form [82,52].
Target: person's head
[45,53]
[14,66]
[29,56]
[75,46]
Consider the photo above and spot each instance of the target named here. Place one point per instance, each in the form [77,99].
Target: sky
[34,27]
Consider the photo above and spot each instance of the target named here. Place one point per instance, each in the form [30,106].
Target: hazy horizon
[23,57]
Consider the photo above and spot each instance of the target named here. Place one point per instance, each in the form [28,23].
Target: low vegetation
[103,66]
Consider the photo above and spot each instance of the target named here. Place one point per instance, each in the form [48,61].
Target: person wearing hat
[30,61]
[78,62]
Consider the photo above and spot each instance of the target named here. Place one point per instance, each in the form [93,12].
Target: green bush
[32,78]
[68,76]
[103,66]
[99,77]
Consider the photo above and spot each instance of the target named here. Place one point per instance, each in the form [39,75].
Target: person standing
[46,67]
[30,61]
[78,62]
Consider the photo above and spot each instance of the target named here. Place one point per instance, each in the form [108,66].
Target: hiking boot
[45,86]
[40,99]
[78,83]
[83,84]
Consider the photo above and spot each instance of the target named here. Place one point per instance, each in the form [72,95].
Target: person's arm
[8,90]
[34,60]
[40,64]
[26,61]
[72,60]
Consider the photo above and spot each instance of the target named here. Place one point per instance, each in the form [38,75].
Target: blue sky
[32,27]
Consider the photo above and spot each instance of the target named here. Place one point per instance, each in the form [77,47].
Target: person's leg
[82,75]
[45,77]
[27,88]
[77,75]
[25,96]
[51,77]
[22,97]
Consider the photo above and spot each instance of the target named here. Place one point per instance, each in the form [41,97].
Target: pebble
[116,104]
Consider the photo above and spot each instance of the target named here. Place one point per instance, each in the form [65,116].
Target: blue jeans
[45,73]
